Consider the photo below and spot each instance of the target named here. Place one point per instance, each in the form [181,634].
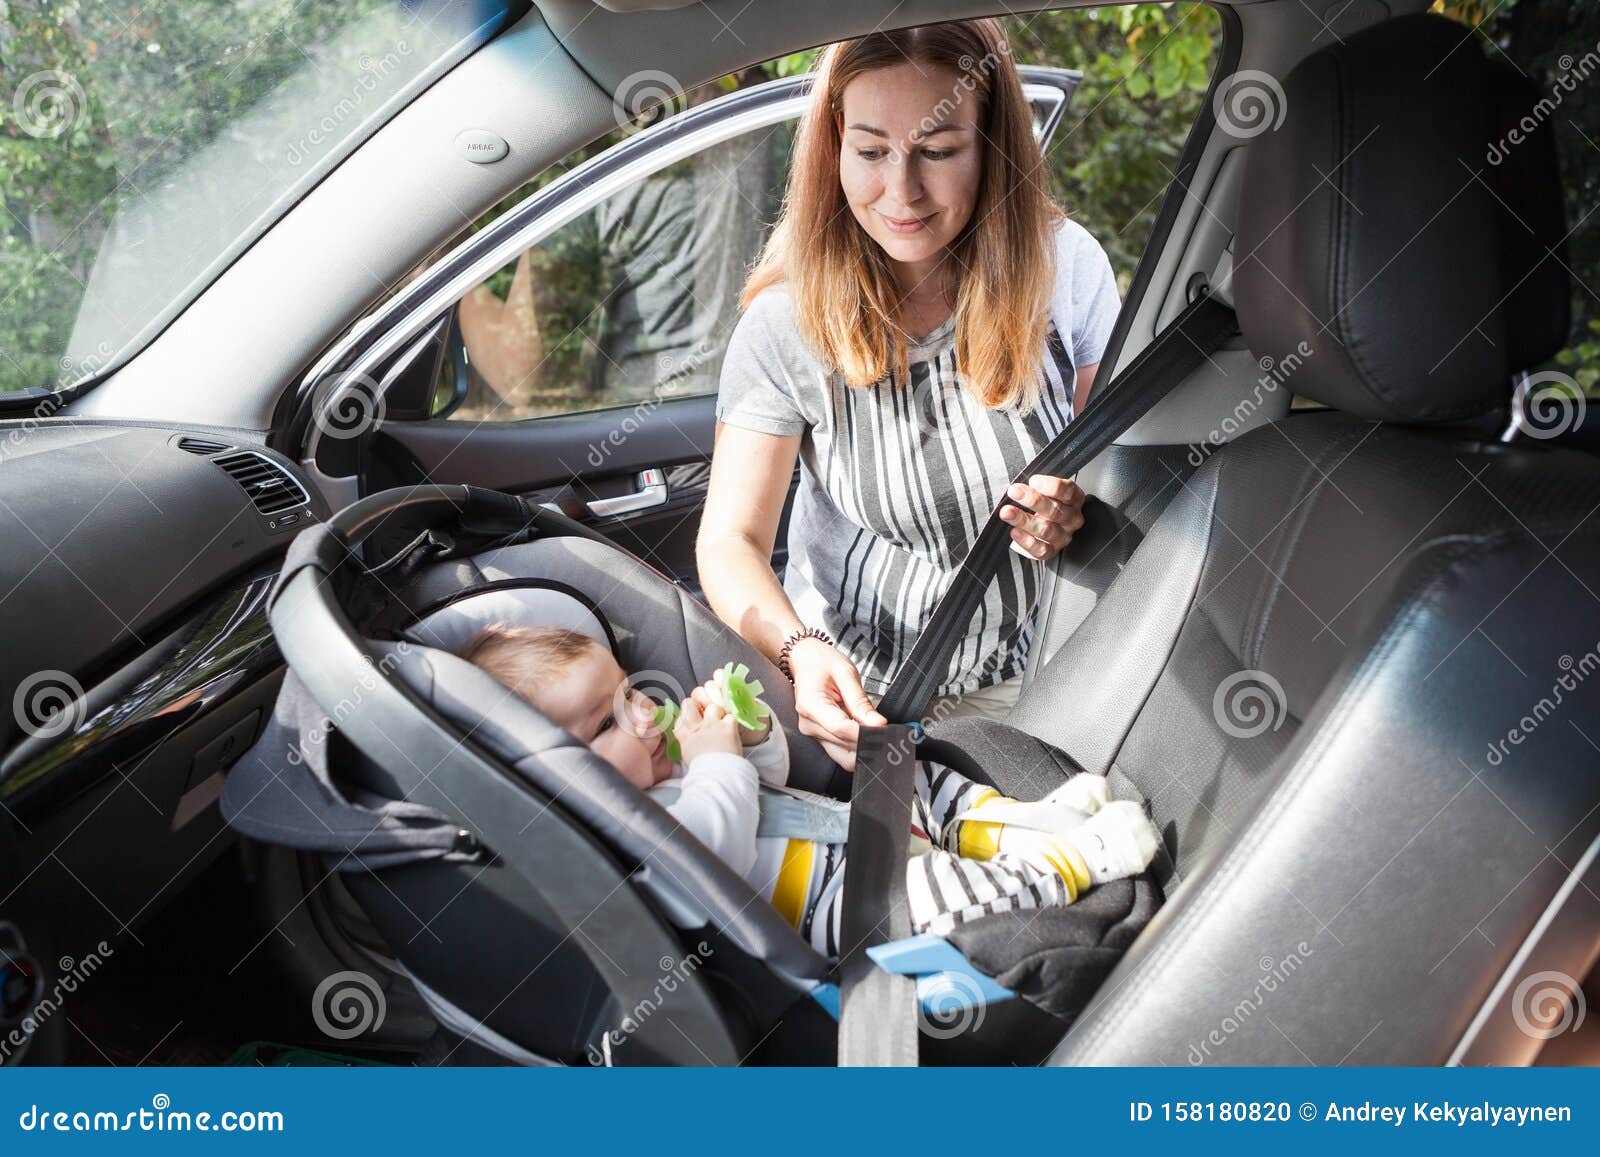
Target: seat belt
[878,1011]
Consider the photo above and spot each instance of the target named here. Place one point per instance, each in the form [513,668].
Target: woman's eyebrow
[921,136]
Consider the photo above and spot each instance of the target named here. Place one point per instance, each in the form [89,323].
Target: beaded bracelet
[795,637]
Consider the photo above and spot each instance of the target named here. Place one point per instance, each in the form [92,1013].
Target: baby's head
[576,683]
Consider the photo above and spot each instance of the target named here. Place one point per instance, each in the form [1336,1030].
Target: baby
[1018,855]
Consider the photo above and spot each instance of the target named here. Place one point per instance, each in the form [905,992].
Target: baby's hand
[709,694]
[702,729]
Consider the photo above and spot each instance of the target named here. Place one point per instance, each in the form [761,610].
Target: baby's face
[593,701]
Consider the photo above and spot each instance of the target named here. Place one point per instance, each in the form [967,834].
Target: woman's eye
[606,725]
[938,154]
[870,154]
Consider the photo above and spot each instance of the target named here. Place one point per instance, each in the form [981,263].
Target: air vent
[269,485]
[200,446]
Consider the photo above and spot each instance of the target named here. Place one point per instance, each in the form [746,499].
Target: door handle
[651,491]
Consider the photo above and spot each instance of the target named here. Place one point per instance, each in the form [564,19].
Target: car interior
[1333,611]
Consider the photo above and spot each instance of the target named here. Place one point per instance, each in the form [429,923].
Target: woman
[922,321]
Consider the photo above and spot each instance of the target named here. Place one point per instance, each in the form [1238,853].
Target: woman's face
[910,161]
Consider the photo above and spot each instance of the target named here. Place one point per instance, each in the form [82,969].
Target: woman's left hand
[1057,505]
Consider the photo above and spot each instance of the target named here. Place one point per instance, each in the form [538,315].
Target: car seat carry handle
[878,1011]
[490,513]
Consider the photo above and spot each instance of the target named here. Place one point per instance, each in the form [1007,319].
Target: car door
[569,351]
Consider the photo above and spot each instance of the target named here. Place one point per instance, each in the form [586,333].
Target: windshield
[143,146]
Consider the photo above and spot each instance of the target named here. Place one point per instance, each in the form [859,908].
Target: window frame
[357,361]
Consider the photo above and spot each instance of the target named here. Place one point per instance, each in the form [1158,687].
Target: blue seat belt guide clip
[947,981]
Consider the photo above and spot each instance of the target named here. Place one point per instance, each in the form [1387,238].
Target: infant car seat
[546,909]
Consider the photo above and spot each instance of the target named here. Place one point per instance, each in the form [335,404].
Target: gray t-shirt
[896,479]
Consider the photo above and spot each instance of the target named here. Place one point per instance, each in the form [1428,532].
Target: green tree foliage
[102,100]
[1556,44]
[151,81]
[1145,70]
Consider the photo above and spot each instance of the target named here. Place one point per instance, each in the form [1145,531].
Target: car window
[145,146]
[633,300]
[636,299]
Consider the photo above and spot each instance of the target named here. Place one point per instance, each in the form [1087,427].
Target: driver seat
[1349,664]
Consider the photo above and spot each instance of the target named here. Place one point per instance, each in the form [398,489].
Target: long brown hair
[840,281]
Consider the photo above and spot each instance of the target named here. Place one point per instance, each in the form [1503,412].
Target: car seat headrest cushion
[1395,238]
[452,627]
[517,734]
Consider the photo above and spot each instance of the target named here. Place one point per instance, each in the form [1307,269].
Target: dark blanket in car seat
[1055,958]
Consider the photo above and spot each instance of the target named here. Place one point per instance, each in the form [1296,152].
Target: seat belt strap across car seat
[878,1011]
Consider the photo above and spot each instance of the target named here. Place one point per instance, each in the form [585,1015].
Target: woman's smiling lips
[905,224]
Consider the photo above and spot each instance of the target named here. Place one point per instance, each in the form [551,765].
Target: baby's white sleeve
[771,756]
[717,803]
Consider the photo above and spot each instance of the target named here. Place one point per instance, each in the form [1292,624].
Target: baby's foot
[1084,792]
[1117,841]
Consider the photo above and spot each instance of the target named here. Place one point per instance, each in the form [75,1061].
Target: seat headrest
[452,627]
[1403,220]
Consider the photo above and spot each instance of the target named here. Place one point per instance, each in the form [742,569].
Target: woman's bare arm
[750,475]
[1080,387]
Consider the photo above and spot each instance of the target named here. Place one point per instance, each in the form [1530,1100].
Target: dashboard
[136,661]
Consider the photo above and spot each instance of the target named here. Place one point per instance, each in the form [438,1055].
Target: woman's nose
[905,179]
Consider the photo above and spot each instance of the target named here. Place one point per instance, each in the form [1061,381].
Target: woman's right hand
[829,699]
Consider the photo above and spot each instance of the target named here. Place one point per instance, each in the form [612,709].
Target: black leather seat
[1352,662]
